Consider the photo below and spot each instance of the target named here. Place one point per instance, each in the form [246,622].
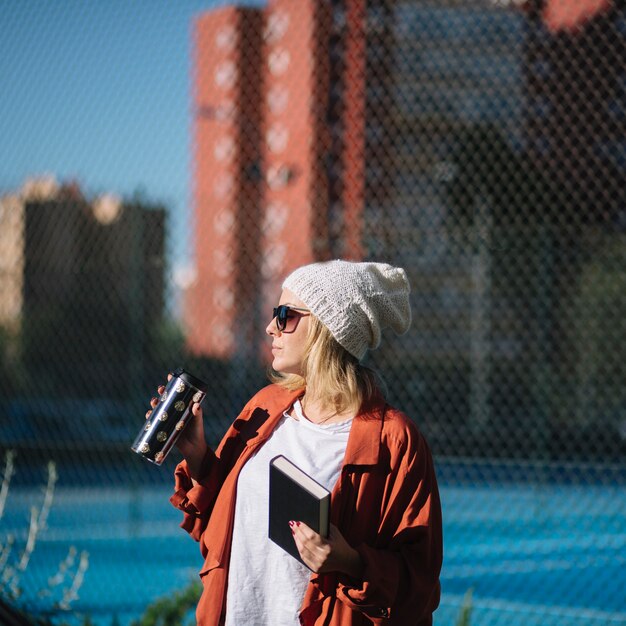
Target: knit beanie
[355,301]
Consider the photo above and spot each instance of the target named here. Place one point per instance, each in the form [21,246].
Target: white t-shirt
[265,584]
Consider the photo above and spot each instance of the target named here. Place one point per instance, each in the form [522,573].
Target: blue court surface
[531,550]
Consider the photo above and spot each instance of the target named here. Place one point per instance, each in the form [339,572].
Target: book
[294,495]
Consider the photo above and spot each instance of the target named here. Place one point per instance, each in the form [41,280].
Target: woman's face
[288,345]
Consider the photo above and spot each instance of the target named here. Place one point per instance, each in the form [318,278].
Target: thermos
[167,420]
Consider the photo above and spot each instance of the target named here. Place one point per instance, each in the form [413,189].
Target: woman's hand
[191,442]
[326,554]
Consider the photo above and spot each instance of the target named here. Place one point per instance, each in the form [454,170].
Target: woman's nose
[271,328]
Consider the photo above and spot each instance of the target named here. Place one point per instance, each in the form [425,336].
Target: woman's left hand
[326,554]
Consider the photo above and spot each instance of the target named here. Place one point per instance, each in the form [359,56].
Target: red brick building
[264,119]
[226,193]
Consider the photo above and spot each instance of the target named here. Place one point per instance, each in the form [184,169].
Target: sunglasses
[287,317]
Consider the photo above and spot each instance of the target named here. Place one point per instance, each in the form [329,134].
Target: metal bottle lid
[191,380]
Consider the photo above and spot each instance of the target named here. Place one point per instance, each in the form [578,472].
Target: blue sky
[99,92]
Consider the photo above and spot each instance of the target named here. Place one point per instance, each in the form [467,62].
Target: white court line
[105,531]
[543,610]
[525,566]
[520,545]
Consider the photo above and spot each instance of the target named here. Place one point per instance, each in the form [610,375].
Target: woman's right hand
[191,442]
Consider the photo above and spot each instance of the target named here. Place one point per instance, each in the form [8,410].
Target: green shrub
[466,609]
[174,610]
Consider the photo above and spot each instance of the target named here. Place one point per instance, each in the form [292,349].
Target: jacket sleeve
[196,500]
[400,583]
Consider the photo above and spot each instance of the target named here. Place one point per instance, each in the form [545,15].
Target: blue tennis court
[549,551]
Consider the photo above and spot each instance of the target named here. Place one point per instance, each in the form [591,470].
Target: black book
[294,495]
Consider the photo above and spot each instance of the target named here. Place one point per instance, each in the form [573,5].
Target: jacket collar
[278,401]
[365,435]
[363,446]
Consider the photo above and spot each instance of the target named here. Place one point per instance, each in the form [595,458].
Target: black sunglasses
[286,320]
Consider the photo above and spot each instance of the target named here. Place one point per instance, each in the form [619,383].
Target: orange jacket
[385,503]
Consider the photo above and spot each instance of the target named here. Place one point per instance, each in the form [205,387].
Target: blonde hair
[330,373]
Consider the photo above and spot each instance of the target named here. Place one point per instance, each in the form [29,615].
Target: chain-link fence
[479,144]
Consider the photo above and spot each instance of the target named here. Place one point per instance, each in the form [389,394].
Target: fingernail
[291,523]
[297,523]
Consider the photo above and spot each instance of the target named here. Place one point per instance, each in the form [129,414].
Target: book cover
[294,495]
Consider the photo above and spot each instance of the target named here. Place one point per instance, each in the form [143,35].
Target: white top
[266,585]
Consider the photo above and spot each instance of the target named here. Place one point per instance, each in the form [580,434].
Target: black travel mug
[167,420]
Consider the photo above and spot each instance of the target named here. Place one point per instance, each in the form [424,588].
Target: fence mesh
[480,144]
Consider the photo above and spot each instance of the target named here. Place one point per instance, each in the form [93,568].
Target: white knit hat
[355,301]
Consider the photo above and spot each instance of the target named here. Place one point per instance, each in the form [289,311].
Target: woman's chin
[284,368]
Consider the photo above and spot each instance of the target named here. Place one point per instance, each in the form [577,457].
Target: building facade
[83,291]
[227,181]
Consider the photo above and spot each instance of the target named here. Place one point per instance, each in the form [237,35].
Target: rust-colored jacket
[385,503]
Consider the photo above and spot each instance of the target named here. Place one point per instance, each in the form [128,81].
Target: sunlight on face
[288,348]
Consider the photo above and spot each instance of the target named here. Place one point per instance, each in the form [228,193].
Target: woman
[325,412]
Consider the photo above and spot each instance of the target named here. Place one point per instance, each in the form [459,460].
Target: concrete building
[82,285]
[12,247]
[11,261]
